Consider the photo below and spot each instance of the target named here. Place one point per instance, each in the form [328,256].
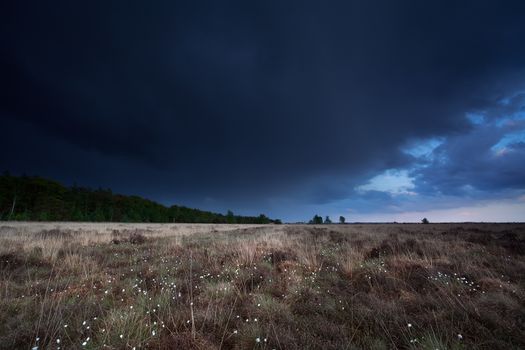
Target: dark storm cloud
[237,103]
[469,164]
[503,107]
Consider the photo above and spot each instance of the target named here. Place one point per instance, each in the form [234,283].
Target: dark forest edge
[31,198]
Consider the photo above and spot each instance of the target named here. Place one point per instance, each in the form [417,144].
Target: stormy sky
[375,110]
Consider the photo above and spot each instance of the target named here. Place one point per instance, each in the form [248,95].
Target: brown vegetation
[270,287]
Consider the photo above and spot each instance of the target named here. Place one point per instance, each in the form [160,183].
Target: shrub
[137,238]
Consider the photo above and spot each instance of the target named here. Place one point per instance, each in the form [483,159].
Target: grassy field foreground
[117,286]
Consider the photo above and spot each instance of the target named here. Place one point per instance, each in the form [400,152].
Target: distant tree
[342,219]
[327,220]
[230,218]
[424,221]
[262,219]
[317,220]
[43,216]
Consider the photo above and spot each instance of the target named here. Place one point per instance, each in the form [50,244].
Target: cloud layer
[260,107]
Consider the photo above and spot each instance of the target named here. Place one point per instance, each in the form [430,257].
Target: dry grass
[152,286]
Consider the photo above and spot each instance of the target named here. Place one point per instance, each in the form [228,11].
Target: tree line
[31,198]
[317,220]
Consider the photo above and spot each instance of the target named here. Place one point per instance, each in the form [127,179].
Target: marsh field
[188,286]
